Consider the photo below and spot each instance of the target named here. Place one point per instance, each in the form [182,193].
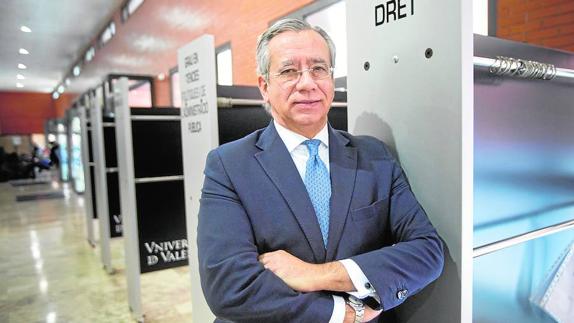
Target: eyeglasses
[291,76]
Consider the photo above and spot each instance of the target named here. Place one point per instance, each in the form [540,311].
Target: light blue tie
[318,185]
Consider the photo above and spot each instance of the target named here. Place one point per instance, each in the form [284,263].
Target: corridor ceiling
[60,32]
[63,30]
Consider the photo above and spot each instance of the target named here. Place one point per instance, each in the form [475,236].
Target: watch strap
[357,306]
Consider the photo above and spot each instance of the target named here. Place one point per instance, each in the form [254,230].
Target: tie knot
[312,146]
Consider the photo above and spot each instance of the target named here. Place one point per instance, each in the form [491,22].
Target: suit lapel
[278,165]
[343,168]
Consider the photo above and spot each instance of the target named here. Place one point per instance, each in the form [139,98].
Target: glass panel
[63,154]
[224,67]
[523,181]
[77,170]
[505,282]
[480,17]
[175,92]
[140,94]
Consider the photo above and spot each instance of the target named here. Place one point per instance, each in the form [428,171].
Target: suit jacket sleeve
[235,284]
[415,258]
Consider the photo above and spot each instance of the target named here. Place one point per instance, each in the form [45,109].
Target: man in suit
[303,223]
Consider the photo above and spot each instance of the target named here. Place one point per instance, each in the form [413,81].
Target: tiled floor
[49,272]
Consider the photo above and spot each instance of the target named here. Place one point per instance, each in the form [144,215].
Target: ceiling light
[61,89]
[26,29]
[108,33]
[21,66]
[133,5]
[23,51]
[20,77]
[20,85]
[161,76]
[90,54]
[67,81]
[55,95]
[76,71]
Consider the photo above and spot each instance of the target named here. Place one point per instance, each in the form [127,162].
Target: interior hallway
[49,272]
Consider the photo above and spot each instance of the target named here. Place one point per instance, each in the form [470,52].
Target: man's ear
[262,83]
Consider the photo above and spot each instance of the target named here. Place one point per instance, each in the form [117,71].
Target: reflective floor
[49,272]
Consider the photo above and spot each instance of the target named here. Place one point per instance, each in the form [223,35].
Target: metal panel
[157,144]
[88,194]
[114,212]
[162,233]
[110,144]
[410,84]
[128,196]
[524,178]
[199,135]
[101,183]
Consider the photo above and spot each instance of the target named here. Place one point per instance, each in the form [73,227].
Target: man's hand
[370,314]
[306,277]
[296,273]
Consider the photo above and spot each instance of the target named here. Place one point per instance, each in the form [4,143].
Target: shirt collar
[293,139]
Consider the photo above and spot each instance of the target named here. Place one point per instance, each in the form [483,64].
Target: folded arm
[236,285]
[414,260]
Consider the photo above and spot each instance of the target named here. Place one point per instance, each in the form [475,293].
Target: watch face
[352,299]
[355,302]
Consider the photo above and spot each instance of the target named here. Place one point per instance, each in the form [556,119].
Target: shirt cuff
[338,315]
[362,285]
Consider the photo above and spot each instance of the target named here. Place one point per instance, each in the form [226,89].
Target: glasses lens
[320,72]
[288,75]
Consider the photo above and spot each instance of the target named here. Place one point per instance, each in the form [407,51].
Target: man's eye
[289,71]
[319,69]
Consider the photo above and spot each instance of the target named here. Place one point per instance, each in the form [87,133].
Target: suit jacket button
[402,294]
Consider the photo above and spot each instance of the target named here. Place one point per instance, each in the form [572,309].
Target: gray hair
[281,26]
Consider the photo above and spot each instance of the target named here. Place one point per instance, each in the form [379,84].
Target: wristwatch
[358,306]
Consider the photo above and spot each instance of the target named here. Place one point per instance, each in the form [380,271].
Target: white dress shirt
[300,154]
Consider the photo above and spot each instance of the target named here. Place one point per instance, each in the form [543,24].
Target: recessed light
[21,66]
[19,85]
[26,29]
[67,81]
[20,77]
[76,71]
[90,54]
[23,51]
[61,89]
[55,95]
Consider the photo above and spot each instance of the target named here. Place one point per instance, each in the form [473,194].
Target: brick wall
[161,91]
[63,103]
[548,23]
[235,22]
[25,112]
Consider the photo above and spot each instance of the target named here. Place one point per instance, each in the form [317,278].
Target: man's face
[301,105]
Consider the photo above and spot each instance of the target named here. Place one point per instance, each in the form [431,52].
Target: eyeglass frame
[330,69]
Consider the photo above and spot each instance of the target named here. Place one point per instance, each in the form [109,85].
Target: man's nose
[306,82]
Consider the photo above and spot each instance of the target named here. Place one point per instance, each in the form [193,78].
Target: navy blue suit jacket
[254,201]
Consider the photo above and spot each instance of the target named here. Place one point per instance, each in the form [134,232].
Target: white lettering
[174,245]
